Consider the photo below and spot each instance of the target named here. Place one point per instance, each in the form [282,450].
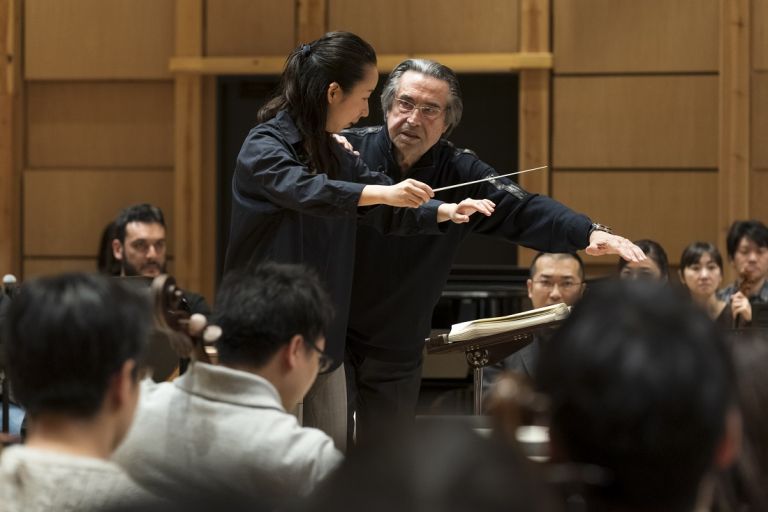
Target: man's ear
[729,446]
[293,351]
[334,93]
[529,283]
[117,249]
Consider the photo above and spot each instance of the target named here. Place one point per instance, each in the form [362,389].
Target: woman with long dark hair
[296,190]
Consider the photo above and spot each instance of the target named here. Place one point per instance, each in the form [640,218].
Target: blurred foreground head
[640,383]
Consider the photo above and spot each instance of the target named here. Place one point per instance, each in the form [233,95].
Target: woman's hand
[740,306]
[460,213]
[408,193]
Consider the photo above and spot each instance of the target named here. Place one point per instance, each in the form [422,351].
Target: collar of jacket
[287,127]
[222,384]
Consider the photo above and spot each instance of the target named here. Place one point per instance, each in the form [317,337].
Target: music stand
[486,350]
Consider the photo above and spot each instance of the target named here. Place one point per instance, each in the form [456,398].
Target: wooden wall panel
[758,205]
[448,26]
[100,124]
[65,211]
[249,27]
[635,121]
[760,34]
[760,121]
[610,36]
[35,267]
[673,208]
[93,39]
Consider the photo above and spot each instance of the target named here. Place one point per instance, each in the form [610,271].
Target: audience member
[105,260]
[745,487]
[554,278]
[445,468]
[72,347]
[701,271]
[641,385]
[747,245]
[655,267]
[225,429]
[139,246]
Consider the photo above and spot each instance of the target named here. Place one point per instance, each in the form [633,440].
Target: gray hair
[434,69]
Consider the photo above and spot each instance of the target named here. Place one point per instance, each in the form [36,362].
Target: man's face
[143,253]
[555,280]
[413,133]
[750,261]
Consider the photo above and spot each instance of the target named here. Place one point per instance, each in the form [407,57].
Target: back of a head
[640,384]
[262,310]
[67,335]
[144,213]
[445,468]
[754,230]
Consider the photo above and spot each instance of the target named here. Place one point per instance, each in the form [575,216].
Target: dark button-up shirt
[283,212]
[398,280]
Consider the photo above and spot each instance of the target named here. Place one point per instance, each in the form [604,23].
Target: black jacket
[284,213]
[398,280]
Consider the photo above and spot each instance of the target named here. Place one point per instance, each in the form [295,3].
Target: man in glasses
[398,280]
[554,278]
[225,429]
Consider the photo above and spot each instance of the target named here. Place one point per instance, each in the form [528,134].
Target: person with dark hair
[105,260]
[225,429]
[747,245]
[297,192]
[554,278]
[655,267]
[640,385]
[139,247]
[398,280]
[72,347]
[744,488]
[701,272]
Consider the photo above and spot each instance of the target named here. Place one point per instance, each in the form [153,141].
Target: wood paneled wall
[99,123]
[636,103]
[637,116]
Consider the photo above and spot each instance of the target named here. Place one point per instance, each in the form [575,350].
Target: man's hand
[345,143]
[601,243]
[460,213]
[740,306]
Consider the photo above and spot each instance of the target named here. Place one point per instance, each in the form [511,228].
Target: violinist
[747,244]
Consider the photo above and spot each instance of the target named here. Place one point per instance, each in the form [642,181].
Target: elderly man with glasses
[398,280]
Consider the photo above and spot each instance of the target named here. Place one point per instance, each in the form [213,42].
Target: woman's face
[345,108]
[647,269]
[703,277]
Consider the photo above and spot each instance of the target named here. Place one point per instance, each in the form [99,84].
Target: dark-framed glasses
[565,286]
[428,111]
[326,361]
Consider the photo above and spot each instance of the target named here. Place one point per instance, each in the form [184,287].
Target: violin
[177,335]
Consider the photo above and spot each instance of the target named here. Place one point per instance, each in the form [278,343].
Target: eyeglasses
[428,111]
[564,286]
[326,361]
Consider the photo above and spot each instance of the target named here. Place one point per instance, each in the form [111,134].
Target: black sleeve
[388,220]
[534,221]
[267,170]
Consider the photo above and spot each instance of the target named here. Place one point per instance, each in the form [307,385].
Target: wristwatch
[599,227]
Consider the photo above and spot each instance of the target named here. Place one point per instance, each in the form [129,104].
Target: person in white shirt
[71,347]
[225,429]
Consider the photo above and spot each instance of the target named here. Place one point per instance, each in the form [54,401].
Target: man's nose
[414,118]
[151,252]
[555,293]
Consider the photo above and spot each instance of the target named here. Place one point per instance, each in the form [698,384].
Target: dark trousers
[382,394]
